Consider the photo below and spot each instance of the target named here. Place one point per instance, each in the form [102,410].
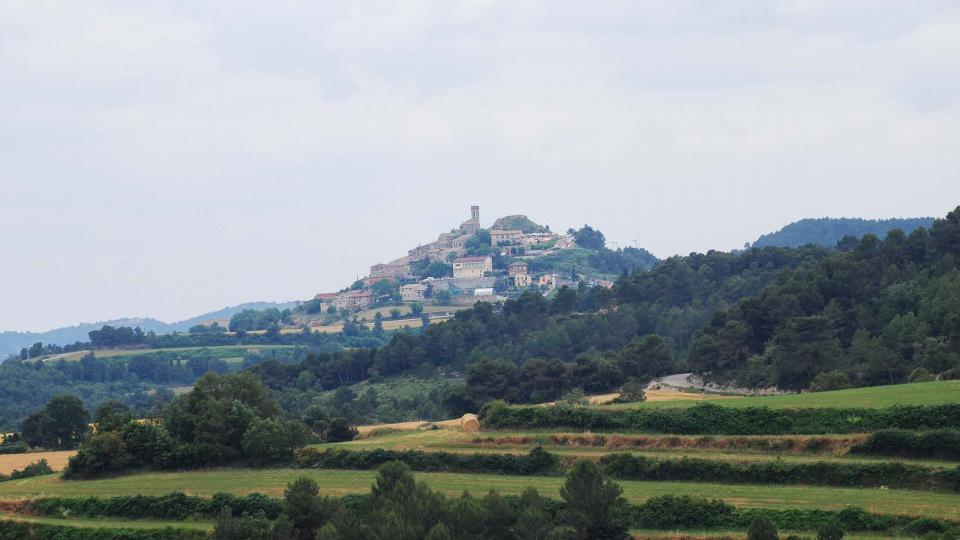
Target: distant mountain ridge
[11,342]
[828,231]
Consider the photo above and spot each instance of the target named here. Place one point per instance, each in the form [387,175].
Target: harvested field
[13,462]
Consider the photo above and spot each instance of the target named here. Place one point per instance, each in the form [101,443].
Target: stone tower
[473,224]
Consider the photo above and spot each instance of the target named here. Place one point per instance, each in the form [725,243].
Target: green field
[335,482]
[110,523]
[928,393]
[224,351]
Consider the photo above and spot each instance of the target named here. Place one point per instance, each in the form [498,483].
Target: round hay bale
[469,423]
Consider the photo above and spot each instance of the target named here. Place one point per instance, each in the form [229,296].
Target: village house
[352,300]
[392,271]
[325,297]
[522,281]
[413,292]
[548,280]
[472,267]
[500,237]
[518,267]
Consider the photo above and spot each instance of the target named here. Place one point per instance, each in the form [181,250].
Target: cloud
[167,158]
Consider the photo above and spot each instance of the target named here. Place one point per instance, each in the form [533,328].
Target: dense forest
[874,312]
[828,231]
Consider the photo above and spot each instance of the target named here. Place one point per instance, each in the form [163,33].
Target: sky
[166,159]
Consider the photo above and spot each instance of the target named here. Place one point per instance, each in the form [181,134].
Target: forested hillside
[11,342]
[869,313]
[828,231]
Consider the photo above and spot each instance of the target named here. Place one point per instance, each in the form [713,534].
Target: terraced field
[570,445]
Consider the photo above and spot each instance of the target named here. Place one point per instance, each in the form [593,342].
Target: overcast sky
[169,158]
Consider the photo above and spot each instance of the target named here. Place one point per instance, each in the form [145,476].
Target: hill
[11,342]
[519,222]
[828,231]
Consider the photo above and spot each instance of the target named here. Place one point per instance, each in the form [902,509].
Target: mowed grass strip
[272,482]
[110,523]
[928,393]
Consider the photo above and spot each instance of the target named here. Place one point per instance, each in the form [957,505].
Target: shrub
[830,531]
[340,430]
[762,529]
[939,444]
[892,474]
[538,461]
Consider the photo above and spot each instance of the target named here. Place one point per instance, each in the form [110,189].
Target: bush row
[15,530]
[39,468]
[537,462]
[800,444]
[663,513]
[175,506]
[626,466]
[892,475]
[940,443]
[711,419]
[18,447]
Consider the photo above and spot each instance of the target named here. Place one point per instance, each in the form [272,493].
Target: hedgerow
[711,419]
[664,512]
[627,466]
[891,474]
[537,462]
[175,506]
[940,443]
[16,530]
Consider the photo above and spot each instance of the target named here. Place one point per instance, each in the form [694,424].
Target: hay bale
[469,423]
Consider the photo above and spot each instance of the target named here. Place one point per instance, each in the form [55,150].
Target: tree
[804,347]
[762,529]
[645,358]
[632,391]
[595,507]
[306,509]
[103,453]
[112,415]
[60,425]
[265,441]
[830,530]
[492,378]
[589,238]
[256,527]
[443,297]
[340,430]
[416,309]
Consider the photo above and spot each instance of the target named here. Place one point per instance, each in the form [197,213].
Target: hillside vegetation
[829,231]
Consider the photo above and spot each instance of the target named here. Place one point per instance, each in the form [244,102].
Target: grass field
[928,393]
[12,462]
[108,523]
[227,351]
[335,482]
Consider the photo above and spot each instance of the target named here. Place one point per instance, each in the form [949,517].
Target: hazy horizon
[170,159]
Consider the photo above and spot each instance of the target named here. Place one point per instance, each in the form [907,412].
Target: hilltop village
[465,265]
